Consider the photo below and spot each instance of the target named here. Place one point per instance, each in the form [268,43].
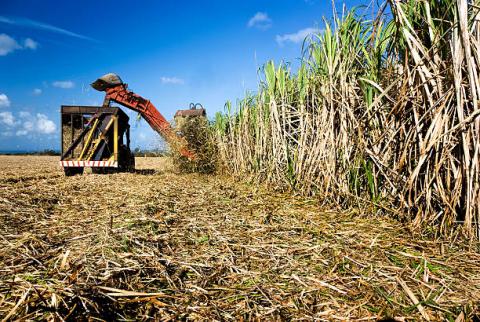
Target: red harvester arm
[149,112]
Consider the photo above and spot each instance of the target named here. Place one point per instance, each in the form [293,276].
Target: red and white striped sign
[112,164]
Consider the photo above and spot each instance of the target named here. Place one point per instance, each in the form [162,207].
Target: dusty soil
[155,244]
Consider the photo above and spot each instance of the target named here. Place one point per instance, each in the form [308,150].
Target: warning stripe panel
[96,164]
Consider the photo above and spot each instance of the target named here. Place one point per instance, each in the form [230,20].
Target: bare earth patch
[169,246]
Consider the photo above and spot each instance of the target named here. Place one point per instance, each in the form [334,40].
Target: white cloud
[7,118]
[172,80]
[44,125]
[64,84]
[30,44]
[9,44]
[4,101]
[296,37]
[24,114]
[37,91]
[24,22]
[260,20]
[29,124]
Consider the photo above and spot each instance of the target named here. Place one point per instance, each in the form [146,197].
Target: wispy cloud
[9,44]
[7,118]
[30,44]
[260,20]
[4,101]
[37,91]
[172,80]
[34,124]
[63,84]
[297,37]
[25,22]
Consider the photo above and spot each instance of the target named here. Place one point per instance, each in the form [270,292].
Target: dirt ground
[156,244]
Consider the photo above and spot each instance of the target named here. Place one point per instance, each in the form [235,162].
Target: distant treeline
[43,152]
[149,153]
[137,152]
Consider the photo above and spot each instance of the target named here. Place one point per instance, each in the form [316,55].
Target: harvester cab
[195,110]
[99,136]
[96,137]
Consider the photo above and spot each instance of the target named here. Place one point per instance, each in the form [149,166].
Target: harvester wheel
[72,171]
[104,170]
[98,170]
[127,160]
[131,167]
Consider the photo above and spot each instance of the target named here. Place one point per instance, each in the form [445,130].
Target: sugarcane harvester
[99,136]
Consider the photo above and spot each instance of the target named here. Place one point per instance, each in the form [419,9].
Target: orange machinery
[95,139]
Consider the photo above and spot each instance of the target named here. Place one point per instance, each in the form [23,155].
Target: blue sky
[171,52]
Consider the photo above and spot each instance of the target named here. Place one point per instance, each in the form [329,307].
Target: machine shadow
[145,172]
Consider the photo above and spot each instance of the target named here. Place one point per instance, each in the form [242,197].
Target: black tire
[131,168]
[104,170]
[126,160]
[72,171]
[98,170]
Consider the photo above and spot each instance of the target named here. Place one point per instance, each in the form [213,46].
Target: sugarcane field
[240,161]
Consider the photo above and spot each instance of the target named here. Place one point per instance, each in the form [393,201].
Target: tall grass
[382,112]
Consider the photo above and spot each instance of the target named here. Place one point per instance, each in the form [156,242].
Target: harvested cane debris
[200,140]
[157,245]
